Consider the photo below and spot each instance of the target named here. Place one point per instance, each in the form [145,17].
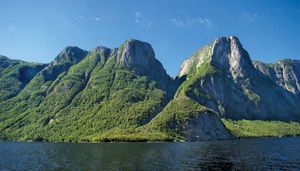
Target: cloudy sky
[35,30]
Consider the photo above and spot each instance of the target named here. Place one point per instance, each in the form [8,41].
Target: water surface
[244,154]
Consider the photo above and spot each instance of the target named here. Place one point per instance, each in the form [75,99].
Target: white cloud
[177,22]
[139,19]
[96,18]
[191,22]
[137,14]
[250,17]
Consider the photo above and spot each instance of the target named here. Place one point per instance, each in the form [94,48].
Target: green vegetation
[132,135]
[15,75]
[92,97]
[259,128]
[97,99]
[251,95]
[193,77]
[175,116]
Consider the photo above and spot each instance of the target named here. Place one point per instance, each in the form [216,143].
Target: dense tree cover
[102,95]
[88,100]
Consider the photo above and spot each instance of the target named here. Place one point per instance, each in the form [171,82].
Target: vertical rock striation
[222,77]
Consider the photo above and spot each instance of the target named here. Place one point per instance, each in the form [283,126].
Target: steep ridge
[285,73]
[125,94]
[16,108]
[5,63]
[120,95]
[121,88]
[221,76]
[14,75]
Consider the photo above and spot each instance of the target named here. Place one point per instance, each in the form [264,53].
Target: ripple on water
[244,154]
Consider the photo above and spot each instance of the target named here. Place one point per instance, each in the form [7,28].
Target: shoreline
[107,142]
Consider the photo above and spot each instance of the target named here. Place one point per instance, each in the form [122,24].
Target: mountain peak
[135,41]
[225,53]
[229,54]
[136,53]
[101,49]
[72,54]
[226,50]
[3,57]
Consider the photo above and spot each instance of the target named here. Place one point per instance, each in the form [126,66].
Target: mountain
[285,73]
[14,75]
[221,76]
[125,94]
[96,95]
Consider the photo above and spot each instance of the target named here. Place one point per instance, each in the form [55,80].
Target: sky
[36,31]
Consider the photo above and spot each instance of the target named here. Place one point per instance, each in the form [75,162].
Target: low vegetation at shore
[259,128]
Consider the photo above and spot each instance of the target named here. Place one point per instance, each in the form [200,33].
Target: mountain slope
[285,73]
[14,75]
[15,109]
[81,96]
[221,76]
[185,117]
[125,94]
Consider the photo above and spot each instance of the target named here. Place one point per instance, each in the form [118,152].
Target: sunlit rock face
[140,57]
[228,54]
[123,90]
[238,89]
[137,53]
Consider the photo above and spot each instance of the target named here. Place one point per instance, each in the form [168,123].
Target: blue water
[243,154]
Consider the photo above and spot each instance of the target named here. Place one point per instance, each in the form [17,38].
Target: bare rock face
[140,57]
[225,53]
[238,90]
[285,73]
[205,126]
[137,53]
[228,54]
[202,55]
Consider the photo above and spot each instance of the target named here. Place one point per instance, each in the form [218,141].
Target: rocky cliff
[222,77]
[125,94]
[100,95]
[285,73]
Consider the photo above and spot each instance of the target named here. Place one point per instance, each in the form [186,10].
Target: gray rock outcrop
[285,73]
[205,126]
[236,89]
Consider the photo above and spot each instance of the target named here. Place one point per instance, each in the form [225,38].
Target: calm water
[246,154]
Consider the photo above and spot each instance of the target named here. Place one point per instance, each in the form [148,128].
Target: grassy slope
[259,128]
[166,126]
[175,114]
[114,100]
[115,104]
